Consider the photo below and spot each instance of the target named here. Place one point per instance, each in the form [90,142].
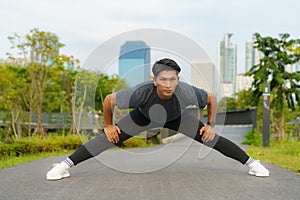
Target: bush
[135,142]
[253,138]
[34,145]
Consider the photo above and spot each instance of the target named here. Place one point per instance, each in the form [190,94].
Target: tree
[227,103]
[39,50]
[66,78]
[279,54]
[84,98]
[106,85]
[244,99]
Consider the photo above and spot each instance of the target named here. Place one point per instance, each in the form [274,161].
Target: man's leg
[190,125]
[132,124]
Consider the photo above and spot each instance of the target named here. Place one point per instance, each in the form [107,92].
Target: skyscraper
[203,75]
[253,55]
[227,60]
[134,62]
[243,82]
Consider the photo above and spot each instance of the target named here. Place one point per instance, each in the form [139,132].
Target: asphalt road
[180,170]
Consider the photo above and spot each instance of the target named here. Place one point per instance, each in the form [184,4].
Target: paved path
[193,176]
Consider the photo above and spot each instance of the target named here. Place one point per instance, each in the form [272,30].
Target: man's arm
[208,132]
[211,108]
[110,130]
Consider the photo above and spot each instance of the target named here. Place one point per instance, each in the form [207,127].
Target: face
[166,83]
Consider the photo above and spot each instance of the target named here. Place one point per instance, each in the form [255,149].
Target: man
[158,103]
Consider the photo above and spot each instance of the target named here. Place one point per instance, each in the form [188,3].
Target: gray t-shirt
[145,98]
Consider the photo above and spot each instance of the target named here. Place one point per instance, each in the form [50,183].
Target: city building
[252,54]
[204,75]
[134,62]
[226,89]
[243,82]
[227,61]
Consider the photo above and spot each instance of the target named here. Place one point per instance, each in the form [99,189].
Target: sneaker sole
[259,175]
[58,178]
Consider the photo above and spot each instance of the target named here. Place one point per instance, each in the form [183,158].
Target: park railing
[49,120]
[88,121]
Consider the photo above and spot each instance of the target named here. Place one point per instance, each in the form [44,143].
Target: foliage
[244,99]
[227,103]
[39,79]
[279,54]
[38,49]
[253,138]
[106,85]
[37,144]
[136,142]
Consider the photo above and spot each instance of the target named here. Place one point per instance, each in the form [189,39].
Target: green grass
[9,161]
[281,153]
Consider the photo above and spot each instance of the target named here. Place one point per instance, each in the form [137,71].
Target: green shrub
[35,145]
[253,138]
[135,142]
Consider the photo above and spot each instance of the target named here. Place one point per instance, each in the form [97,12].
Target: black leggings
[135,122]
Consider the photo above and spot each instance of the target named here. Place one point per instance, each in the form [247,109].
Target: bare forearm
[211,108]
[109,103]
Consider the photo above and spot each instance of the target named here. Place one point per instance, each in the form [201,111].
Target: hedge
[34,145]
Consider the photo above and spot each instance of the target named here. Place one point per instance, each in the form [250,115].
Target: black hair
[165,64]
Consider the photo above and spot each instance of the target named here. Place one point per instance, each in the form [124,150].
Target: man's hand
[208,133]
[112,133]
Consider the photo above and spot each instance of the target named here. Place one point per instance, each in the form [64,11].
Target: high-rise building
[227,60]
[253,55]
[243,82]
[134,62]
[227,89]
[204,75]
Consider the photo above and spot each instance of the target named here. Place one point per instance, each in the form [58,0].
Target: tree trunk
[281,131]
[81,108]
[67,82]
[13,124]
[40,129]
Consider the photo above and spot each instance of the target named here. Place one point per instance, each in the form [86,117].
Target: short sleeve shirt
[145,98]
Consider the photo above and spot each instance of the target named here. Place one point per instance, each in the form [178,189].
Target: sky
[84,25]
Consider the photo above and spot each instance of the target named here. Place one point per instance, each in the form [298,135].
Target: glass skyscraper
[134,62]
[253,55]
[227,60]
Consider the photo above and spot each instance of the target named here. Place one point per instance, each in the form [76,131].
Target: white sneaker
[58,172]
[257,169]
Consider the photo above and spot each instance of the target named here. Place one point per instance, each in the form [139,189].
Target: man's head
[165,78]
[165,64]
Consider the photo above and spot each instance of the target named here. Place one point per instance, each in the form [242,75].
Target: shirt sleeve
[127,98]
[201,97]
[135,96]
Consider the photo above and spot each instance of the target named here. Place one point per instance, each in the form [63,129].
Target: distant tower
[204,75]
[253,55]
[134,62]
[243,82]
[227,61]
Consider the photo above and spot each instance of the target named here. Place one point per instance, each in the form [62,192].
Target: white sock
[68,163]
[249,161]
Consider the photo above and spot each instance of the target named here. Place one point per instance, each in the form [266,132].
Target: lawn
[281,153]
